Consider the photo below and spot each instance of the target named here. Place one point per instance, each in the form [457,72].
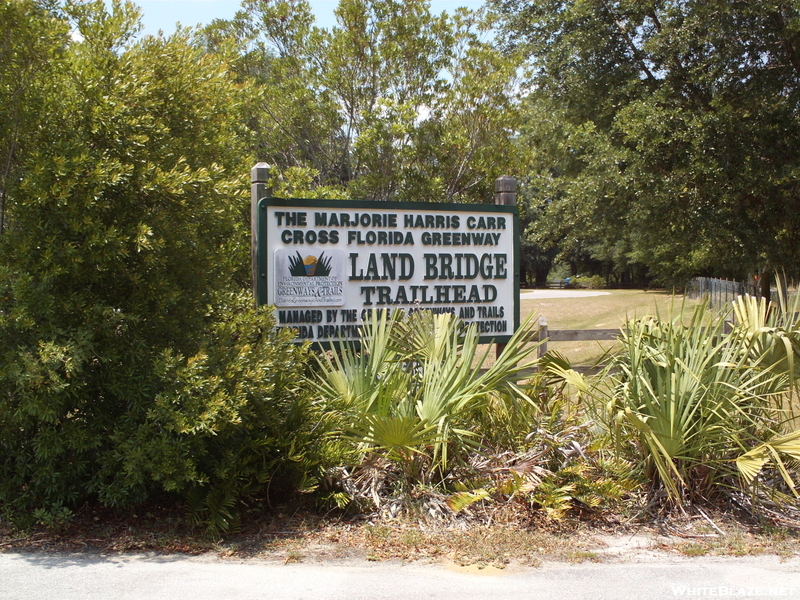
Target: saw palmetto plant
[705,409]
[414,387]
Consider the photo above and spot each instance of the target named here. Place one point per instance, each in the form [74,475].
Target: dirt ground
[286,534]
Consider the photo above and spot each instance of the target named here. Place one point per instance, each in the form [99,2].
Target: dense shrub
[227,422]
[592,282]
[701,411]
[413,395]
[129,362]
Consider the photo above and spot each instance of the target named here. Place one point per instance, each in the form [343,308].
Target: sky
[163,14]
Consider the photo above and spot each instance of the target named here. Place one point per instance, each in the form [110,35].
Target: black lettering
[431,272]
[471,266]
[372,268]
[367,292]
[384,294]
[447,266]
[406,266]
[353,276]
[389,271]
[458,266]
[486,266]
[500,266]
[298,219]
[400,296]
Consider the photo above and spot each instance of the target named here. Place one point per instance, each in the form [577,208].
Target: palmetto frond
[416,383]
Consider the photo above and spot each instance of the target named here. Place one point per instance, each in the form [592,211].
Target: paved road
[42,576]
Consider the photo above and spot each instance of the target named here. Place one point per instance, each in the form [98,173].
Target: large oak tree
[664,133]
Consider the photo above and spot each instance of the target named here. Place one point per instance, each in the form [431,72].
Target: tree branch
[637,55]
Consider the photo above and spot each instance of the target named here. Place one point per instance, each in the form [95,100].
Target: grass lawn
[597,312]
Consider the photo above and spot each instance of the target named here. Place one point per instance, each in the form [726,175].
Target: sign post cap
[505,183]
[260,173]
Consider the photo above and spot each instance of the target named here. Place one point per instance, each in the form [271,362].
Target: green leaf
[460,500]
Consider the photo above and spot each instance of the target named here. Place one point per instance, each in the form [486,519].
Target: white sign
[325,263]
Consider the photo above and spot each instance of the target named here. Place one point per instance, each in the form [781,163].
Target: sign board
[325,263]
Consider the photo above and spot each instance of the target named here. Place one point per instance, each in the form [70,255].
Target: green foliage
[645,150]
[593,282]
[415,398]
[54,520]
[696,400]
[394,102]
[574,469]
[771,335]
[750,463]
[460,500]
[582,484]
[560,468]
[228,422]
[31,41]
[130,362]
[416,386]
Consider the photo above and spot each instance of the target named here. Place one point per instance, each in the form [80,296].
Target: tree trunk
[766,284]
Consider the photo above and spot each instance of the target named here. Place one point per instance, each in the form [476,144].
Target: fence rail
[544,335]
[719,292]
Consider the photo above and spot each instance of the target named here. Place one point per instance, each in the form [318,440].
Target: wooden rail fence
[544,335]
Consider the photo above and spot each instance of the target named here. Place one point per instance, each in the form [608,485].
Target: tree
[31,39]
[129,363]
[671,129]
[394,102]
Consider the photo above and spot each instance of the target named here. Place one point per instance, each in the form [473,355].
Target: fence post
[259,188]
[727,326]
[505,193]
[541,336]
